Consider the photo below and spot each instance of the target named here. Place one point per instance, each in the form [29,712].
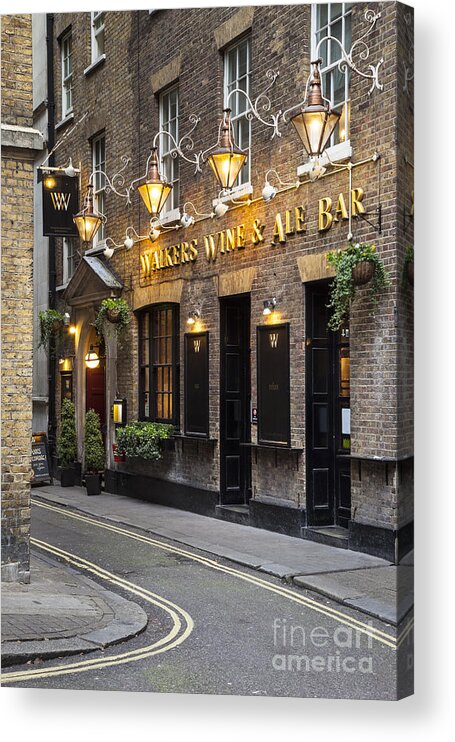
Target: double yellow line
[182,624]
[315,605]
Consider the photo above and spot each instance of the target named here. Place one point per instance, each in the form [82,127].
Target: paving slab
[367,583]
[61,612]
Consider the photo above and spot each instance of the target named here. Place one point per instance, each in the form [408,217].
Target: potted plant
[51,325]
[355,265]
[94,453]
[409,264]
[143,440]
[113,310]
[67,444]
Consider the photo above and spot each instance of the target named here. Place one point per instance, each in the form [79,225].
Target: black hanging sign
[60,204]
[40,459]
[274,420]
[197,383]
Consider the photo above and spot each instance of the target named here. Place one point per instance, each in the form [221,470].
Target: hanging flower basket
[56,324]
[113,315]
[363,272]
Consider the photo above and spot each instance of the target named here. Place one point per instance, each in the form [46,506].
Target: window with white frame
[334,19]
[99,180]
[169,121]
[67,74]
[237,76]
[97,25]
[69,258]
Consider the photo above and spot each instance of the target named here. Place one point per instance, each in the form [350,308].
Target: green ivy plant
[342,290]
[143,439]
[67,440]
[94,448]
[49,319]
[107,305]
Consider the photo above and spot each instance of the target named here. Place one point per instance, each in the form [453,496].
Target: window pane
[321,15]
[335,10]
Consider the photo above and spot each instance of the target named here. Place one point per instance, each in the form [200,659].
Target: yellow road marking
[182,624]
[365,628]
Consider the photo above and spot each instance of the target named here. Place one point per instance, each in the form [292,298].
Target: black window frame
[152,312]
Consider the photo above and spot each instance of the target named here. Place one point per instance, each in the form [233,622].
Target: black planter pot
[93,484]
[67,477]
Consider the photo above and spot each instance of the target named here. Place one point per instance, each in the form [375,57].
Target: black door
[235,395]
[328,414]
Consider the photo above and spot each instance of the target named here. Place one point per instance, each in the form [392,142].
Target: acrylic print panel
[247,529]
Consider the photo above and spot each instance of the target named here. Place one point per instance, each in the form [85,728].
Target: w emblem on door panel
[273,339]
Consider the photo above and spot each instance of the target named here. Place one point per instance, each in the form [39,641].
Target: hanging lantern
[226,159]
[155,190]
[316,122]
[92,359]
[88,221]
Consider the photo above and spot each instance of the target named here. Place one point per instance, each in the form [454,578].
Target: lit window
[334,19]
[67,74]
[237,76]
[99,181]
[97,25]
[69,258]
[169,121]
[158,361]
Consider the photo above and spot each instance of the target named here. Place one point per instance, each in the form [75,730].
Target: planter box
[93,484]
[67,477]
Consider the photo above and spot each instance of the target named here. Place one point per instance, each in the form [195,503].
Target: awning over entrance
[91,282]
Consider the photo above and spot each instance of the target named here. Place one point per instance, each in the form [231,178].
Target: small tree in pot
[67,444]
[94,453]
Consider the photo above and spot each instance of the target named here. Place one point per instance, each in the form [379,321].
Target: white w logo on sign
[273,339]
[61,201]
[197,345]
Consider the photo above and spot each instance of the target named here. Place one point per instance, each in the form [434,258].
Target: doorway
[95,385]
[235,400]
[328,414]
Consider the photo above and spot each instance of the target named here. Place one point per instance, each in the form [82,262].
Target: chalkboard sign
[274,424]
[40,459]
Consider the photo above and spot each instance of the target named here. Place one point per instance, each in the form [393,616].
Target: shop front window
[158,361]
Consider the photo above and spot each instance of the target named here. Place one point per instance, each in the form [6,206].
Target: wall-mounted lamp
[72,329]
[316,121]
[88,221]
[154,190]
[226,159]
[92,359]
[269,306]
[220,209]
[119,412]
[193,316]
[108,252]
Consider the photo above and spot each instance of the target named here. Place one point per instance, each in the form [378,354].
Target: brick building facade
[20,143]
[123,85]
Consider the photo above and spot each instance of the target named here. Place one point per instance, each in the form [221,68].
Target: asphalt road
[224,629]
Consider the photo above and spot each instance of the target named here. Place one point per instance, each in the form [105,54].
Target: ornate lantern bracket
[185,143]
[261,103]
[118,179]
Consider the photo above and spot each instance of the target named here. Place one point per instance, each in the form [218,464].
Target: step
[233,513]
[329,535]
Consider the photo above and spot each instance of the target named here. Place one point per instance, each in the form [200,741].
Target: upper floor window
[169,121]
[158,363]
[97,25]
[67,74]
[237,76]
[99,181]
[334,19]
[69,258]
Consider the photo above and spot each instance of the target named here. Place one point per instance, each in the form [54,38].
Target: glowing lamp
[119,411]
[88,221]
[316,122]
[92,359]
[226,159]
[155,190]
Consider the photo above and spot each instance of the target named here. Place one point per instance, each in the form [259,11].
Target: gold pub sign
[215,244]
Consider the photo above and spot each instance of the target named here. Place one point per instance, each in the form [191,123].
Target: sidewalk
[61,613]
[370,584]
